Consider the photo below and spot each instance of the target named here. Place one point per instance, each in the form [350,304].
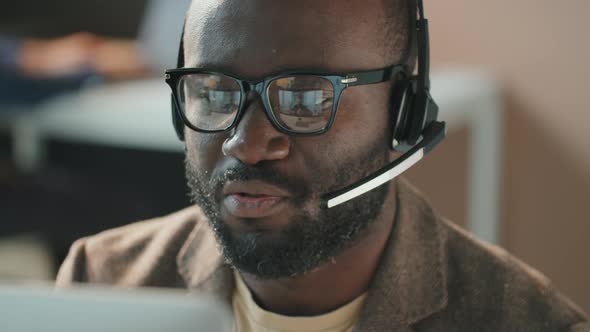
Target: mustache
[263,172]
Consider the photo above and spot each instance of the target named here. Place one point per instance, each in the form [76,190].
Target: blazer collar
[201,264]
[410,283]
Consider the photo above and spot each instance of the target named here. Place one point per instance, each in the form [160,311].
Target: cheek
[363,117]
[362,127]
[203,151]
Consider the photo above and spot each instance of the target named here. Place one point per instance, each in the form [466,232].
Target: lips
[253,199]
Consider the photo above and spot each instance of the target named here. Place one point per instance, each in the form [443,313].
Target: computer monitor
[42,308]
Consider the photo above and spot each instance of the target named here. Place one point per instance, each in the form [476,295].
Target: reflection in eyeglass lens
[210,101]
[303,103]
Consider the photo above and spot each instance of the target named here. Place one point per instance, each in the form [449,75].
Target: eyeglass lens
[209,102]
[300,103]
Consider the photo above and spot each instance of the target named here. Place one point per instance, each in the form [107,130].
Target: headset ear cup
[177,120]
[401,100]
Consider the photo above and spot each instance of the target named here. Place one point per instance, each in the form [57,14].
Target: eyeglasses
[296,103]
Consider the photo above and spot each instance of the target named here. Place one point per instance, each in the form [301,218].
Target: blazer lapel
[202,267]
[411,281]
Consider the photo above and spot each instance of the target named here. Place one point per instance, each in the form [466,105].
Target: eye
[323,100]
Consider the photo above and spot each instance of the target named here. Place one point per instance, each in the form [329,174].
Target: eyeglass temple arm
[372,77]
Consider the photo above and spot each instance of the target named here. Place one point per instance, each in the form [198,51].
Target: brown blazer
[433,276]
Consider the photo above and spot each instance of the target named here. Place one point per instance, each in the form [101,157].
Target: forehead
[255,38]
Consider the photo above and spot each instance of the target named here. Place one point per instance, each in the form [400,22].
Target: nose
[254,139]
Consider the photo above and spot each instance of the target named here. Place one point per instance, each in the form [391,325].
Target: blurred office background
[510,79]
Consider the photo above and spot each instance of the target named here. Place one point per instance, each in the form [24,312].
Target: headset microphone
[416,131]
[432,135]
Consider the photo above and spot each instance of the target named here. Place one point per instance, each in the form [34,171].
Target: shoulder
[138,254]
[500,291]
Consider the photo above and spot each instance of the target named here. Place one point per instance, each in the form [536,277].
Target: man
[261,236]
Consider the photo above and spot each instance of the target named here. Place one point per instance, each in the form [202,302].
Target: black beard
[309,240]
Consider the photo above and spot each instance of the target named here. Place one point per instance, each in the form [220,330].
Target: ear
[176,117]
[402,97]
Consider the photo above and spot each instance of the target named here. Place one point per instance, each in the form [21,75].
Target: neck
[333,284]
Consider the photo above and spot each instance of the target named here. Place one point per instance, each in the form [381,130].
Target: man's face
[261,188]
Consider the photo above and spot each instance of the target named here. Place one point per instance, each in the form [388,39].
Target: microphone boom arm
[431,137]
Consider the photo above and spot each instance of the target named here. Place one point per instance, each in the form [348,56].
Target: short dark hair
[399,30]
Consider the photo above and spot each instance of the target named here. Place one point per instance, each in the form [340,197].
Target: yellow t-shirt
[249,317]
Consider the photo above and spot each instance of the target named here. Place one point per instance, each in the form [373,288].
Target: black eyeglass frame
[339,81]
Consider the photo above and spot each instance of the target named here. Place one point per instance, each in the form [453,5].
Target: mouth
[253,199]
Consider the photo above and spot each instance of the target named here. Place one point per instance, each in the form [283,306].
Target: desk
[137,115]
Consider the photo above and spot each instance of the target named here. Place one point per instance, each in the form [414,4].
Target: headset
[415,132]
[416,109]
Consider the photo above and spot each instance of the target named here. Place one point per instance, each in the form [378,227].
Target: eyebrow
[230,70]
